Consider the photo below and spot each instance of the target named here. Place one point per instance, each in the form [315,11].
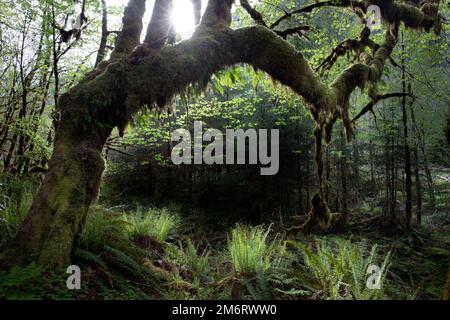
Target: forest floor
[176,252]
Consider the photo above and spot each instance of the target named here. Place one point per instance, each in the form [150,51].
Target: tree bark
[416,164]
[101,53]
[60,207]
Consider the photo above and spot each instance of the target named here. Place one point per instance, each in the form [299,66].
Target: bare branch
[378,98]
[253,13]
[310,8]
[301,31]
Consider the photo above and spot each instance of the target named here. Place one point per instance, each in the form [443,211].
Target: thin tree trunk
[418,187]
[355,166]
[308,196]
[371,154]
[408,180]
[299,169]
[416,166]
[327,174]
[101,53]
[343,169]
[431,193]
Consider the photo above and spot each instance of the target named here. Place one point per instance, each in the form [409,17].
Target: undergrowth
[16,196]
[146,254]
[339,269]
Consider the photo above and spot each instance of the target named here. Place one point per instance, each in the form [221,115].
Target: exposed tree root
[320,217]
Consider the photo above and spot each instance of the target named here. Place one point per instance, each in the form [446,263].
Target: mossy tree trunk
[152,74]
[60,208]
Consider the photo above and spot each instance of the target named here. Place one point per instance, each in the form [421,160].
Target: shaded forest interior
[363,180]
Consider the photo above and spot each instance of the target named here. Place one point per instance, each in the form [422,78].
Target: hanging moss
[328,126]
[354,47]
[424,18]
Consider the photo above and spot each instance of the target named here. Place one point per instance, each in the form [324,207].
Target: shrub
[102,228]
[16,197]
[339,268]
[251,251]
[33,282]
[198,264]
[158,224]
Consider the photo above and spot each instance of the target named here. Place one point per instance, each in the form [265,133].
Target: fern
[198,264]
[124,262]
[103,228]
[159,224]
[16,196]
[251,252]
[258,287]
[91,257]
[339,268]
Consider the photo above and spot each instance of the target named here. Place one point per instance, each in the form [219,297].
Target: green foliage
[16,196]
[158,224]
[286,285]
[116,269]
[338,268]
[258,287]
[33,282]
[194,276]
[239,97]
[252,252]
[107,244]
[197,263]
[124,261]
[102,228]
[20,283]
[90,257]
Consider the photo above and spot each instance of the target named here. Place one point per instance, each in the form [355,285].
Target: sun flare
[183,18]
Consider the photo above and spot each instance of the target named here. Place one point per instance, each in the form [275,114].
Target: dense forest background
[161,230]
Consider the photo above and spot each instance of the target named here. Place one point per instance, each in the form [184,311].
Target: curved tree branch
[301,31]
[253,13]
